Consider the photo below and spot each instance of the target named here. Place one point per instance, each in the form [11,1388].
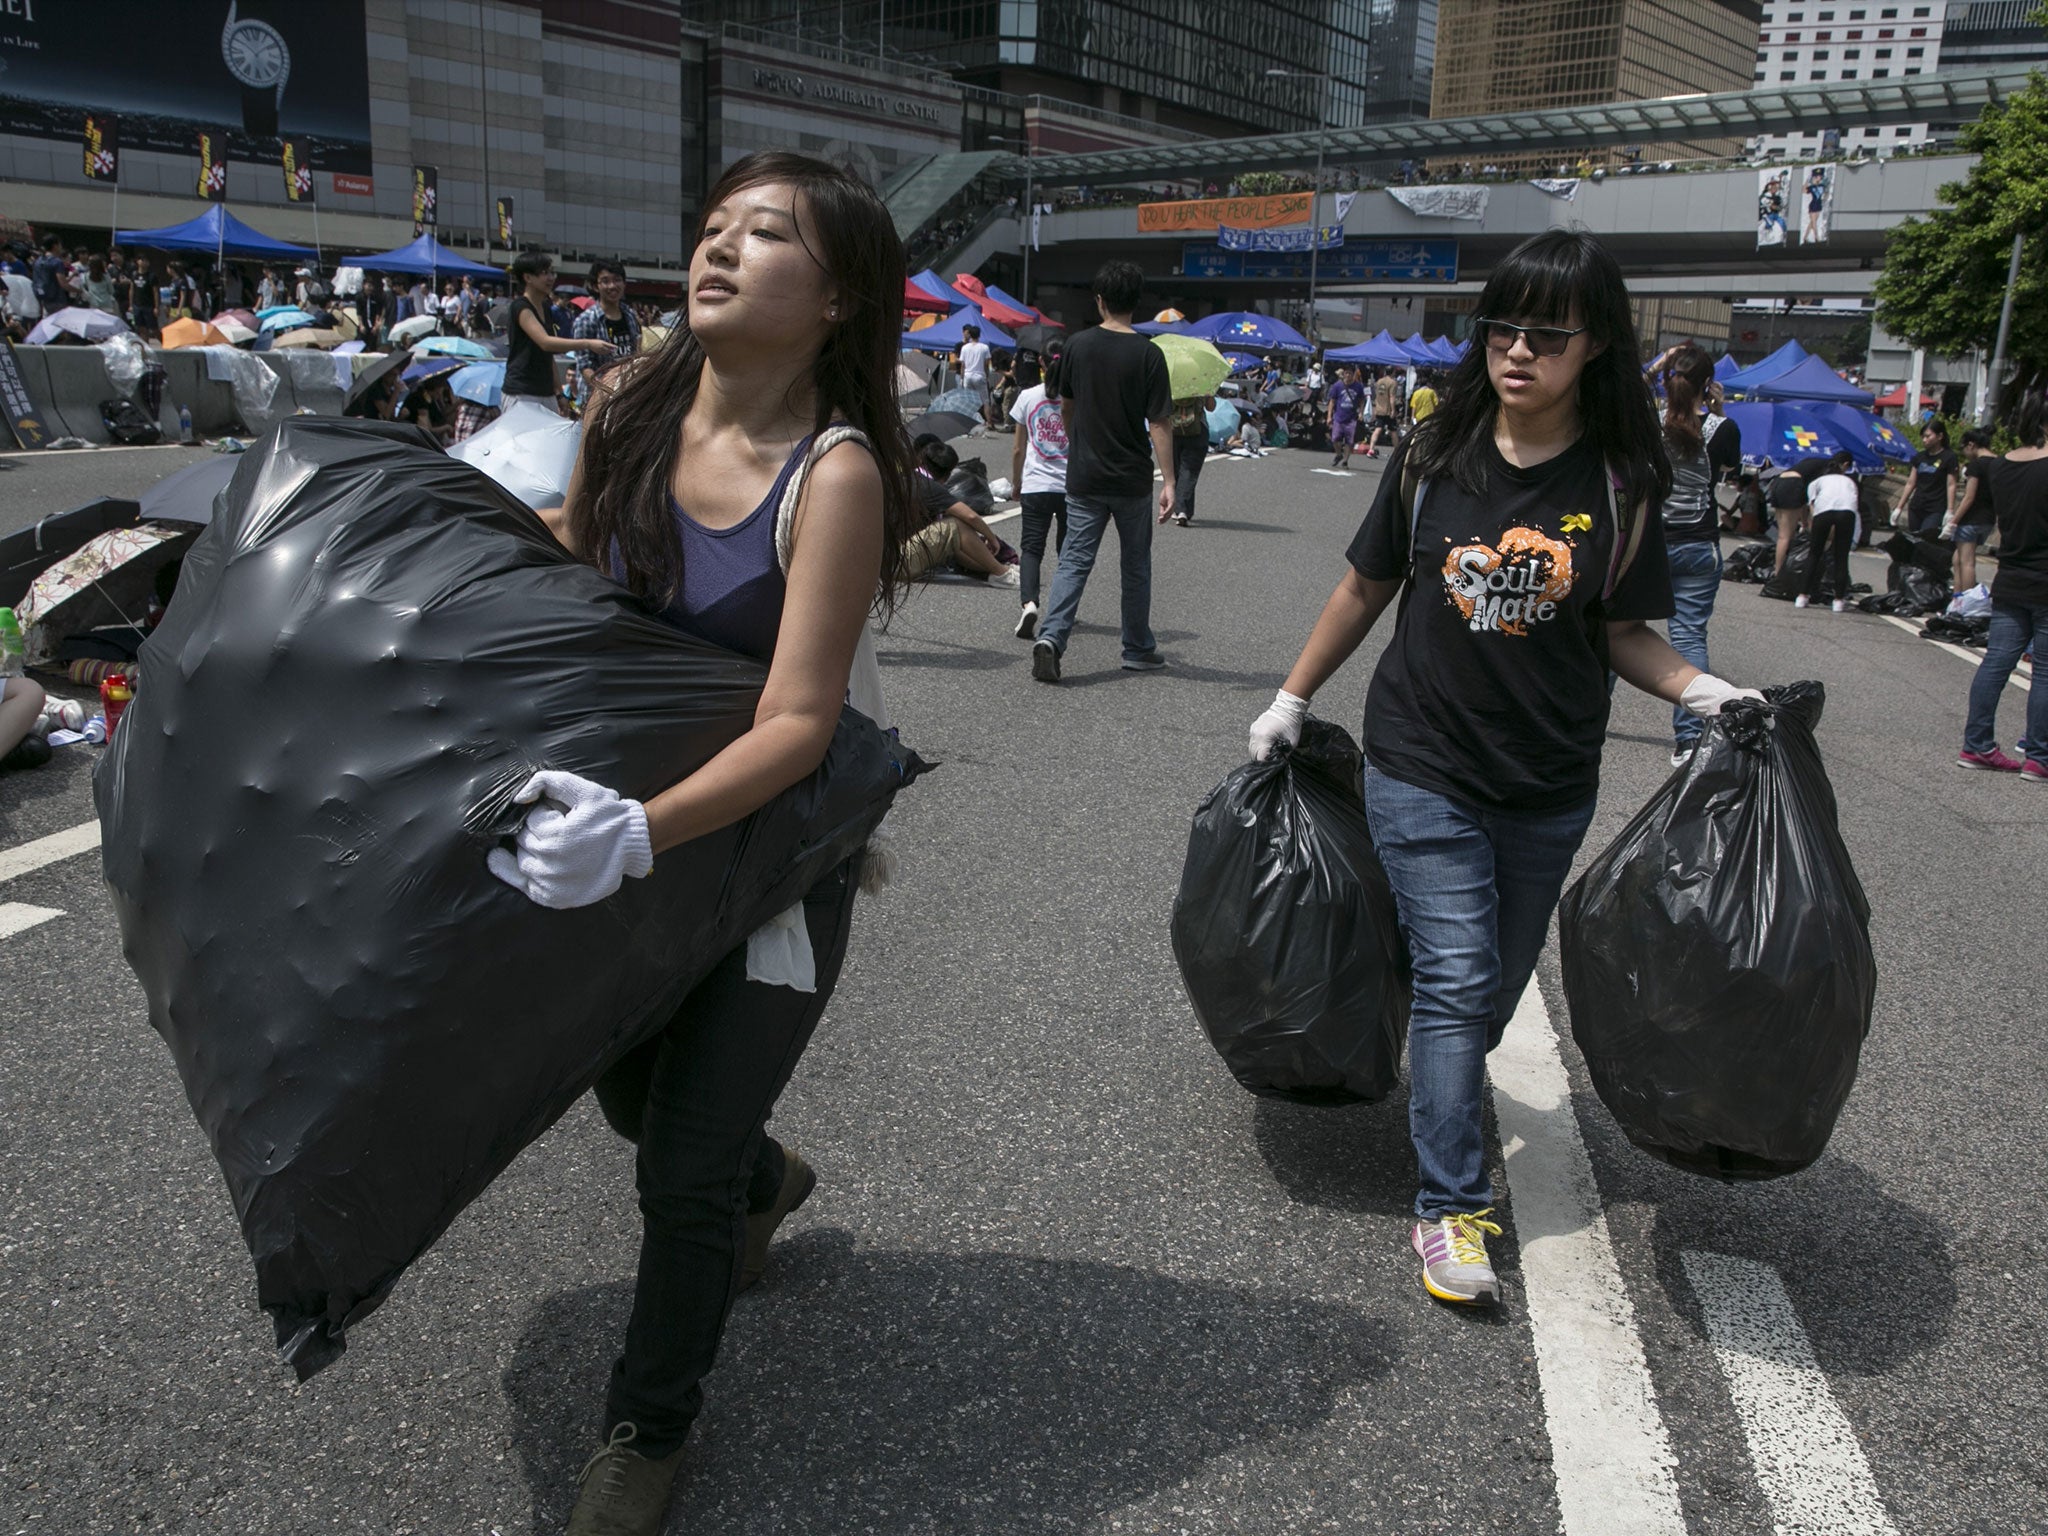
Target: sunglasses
[1543,340]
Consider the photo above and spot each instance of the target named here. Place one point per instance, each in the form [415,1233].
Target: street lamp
[1315,196]
[1024,293]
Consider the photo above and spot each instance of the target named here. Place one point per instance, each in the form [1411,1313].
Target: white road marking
[1609,1448]
[19,917]
[1806,1456]
[67,844]
[2022,675]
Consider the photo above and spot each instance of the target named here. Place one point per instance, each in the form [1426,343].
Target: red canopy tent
[1897,398]
[991,307]
[917,302]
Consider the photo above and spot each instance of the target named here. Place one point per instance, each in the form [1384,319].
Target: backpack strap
[1413,489]
[1628,538]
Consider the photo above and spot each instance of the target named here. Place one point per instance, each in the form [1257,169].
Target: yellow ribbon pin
[1578,522]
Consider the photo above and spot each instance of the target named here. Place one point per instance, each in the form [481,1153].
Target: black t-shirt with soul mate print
[1493,690]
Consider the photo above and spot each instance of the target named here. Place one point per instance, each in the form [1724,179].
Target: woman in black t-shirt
[1519,528]
[2018,484]
[530,360]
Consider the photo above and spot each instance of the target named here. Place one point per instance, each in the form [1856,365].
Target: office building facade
[1400,65]
[1809,44]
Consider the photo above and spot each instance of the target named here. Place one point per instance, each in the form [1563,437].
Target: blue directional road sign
[1369,261]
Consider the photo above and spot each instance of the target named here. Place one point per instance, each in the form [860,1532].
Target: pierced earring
[832,313]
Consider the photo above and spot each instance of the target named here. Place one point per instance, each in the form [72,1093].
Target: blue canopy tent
[1381,352]
[939,288]
[1813,380]
[1863,427]
[1418,351]
[215,230]
[1725,369]
[1789,356]
[427,256]
[1446,351]
[1784,434]
[945,336]
[1007,302]
[1249,332]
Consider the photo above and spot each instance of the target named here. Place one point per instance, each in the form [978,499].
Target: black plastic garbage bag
[1285,928]
[371,649]
[1717,956]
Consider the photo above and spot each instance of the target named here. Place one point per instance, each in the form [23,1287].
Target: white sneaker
[1799,601]
[1027,622]
[1840,606]
[1006,577]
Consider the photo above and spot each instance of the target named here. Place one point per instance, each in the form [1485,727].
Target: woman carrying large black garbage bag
[1519,528]
[682,492]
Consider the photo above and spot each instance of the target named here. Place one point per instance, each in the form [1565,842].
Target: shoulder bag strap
[1627,539]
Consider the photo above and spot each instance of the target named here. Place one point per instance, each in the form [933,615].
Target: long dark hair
[1541,281]
[630,444]
[1687,373]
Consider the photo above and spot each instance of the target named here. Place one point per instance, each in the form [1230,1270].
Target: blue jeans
[2016,628]
[1695,581]
[1041,510]
[1088,519]
[1475,891]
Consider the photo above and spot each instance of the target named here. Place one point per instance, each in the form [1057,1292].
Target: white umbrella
[235,332]
[529,451]
[18,296]
[87,324]
[419,325]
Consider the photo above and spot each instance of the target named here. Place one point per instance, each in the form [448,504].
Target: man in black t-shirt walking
[1117,402]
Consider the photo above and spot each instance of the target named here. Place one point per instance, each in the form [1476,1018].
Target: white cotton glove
[579,854]
[1280,723]
[1707,695]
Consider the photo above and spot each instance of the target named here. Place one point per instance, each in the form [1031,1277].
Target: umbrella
[908,379]
[1248,331]
[1223,418]
[529,450]
[86,324]
[105,582]
[480,383]
[257,317]
[348,349]
[416,327]
[1037,336]
[431,368]
[370,379]
[192,333]
[1193,368]
[1286,394]
[941,424]
[454,346]
[582,301]
[965,401]
[1243,362]
[187,495]
[1897,398]
[652,336]
[26,553]
[1785,433]
[1169,317]
[919,363]
[1164,328]
[308,336]
[236,334]
[247,318]
[285,319]
[1862,427]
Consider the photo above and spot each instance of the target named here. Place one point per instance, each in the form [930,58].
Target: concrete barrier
[310,373]
[35,376]
[79,381]
[212,404]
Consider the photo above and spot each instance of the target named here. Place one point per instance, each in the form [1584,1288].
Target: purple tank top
[732,583]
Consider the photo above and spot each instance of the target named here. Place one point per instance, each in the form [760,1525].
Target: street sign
[1370,261]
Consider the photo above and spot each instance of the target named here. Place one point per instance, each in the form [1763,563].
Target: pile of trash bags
[371,649]
[1787,584]
[1749,563]
[1917,581]
[1717,958]
[1285,929]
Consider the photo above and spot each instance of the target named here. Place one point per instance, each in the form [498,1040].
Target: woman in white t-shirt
[1831,511]
[974,357]
[1038,468]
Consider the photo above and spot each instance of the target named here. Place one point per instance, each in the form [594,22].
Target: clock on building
[257,57]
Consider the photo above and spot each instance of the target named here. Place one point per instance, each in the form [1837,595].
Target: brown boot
[623,1493]
[798,1180]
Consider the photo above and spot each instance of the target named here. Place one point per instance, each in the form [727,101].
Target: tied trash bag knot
[1716,956]
[1285,929]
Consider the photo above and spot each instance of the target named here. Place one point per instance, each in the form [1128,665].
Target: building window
[1917,32]
[1884,31]
[1788,74]
[1816,74]
[1902,132]
[1920,11]
[1880,74]
[1854,33]
[1826,16]
[1797,16]
[1823,37]
[1888,13]
[1882,53]
[1857,15]
[1790,37]
[1914,53]
[1852,53]
[1912,69]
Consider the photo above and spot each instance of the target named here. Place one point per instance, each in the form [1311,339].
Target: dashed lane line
[67,844]
[1610,1451]
[19,917]
[1807,1459]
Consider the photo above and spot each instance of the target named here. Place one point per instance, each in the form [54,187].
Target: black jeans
[696,1100]
[1832,531]
[1189,454]
[1042,510]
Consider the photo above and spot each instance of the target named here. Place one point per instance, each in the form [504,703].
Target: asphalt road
[34,485]
[1061,1274]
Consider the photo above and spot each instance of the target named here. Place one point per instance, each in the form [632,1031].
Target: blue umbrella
[286,319]
[1223,419]
[1245,331]
[1165,327]
[1784,434]
[1243,362]
[1861,426]
[453,346]
[965,401]
[480,383]
[278,309]
[433,367]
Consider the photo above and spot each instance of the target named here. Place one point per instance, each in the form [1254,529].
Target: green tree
[1944,275]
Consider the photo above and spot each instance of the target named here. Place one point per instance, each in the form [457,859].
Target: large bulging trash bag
[371,649]
[1717,956]
[1285,928]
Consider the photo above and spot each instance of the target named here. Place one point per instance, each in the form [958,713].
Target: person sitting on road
[955,536]
[21,708]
